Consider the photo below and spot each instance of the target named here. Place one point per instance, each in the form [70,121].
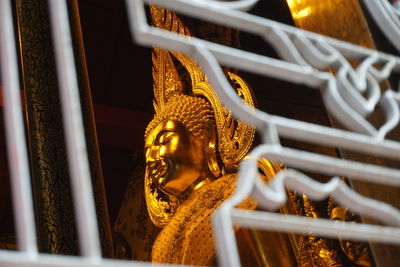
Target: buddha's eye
[165,137]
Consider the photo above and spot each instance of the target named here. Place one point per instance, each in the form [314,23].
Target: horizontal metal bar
[323,135]
[310,226]
[332,166]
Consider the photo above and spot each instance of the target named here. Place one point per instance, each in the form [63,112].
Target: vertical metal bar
[72,118]
[16,146]
[92,143]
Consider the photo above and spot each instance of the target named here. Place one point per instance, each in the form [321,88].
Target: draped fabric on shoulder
[188,239]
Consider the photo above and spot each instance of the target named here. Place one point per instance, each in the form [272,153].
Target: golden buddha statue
[186,178]
[186,175]
[192,150]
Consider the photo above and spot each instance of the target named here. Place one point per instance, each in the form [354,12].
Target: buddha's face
[175,159]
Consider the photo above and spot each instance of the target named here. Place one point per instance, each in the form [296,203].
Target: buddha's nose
[154,154]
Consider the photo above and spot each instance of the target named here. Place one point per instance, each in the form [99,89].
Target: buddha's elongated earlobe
[211,151]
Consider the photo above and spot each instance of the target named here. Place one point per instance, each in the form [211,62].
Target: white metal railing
[303,56]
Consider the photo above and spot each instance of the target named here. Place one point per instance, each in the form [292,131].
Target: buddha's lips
[158,172]
[154,176]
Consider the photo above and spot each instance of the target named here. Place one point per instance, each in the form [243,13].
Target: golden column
[52,195]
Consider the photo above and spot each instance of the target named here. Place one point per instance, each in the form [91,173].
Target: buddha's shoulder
[206,199]
[217,190]
[192,222]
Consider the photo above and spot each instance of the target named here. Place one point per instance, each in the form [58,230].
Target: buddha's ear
[210,139]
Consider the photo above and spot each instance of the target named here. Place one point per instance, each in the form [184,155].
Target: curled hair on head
[195,113]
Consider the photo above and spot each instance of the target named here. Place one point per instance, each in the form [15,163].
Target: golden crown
[178,79]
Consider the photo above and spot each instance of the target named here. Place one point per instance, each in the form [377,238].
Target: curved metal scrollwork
[387,15]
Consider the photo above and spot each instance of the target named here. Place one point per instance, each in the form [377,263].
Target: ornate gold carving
[310,250]
[317,248]
[357,252]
